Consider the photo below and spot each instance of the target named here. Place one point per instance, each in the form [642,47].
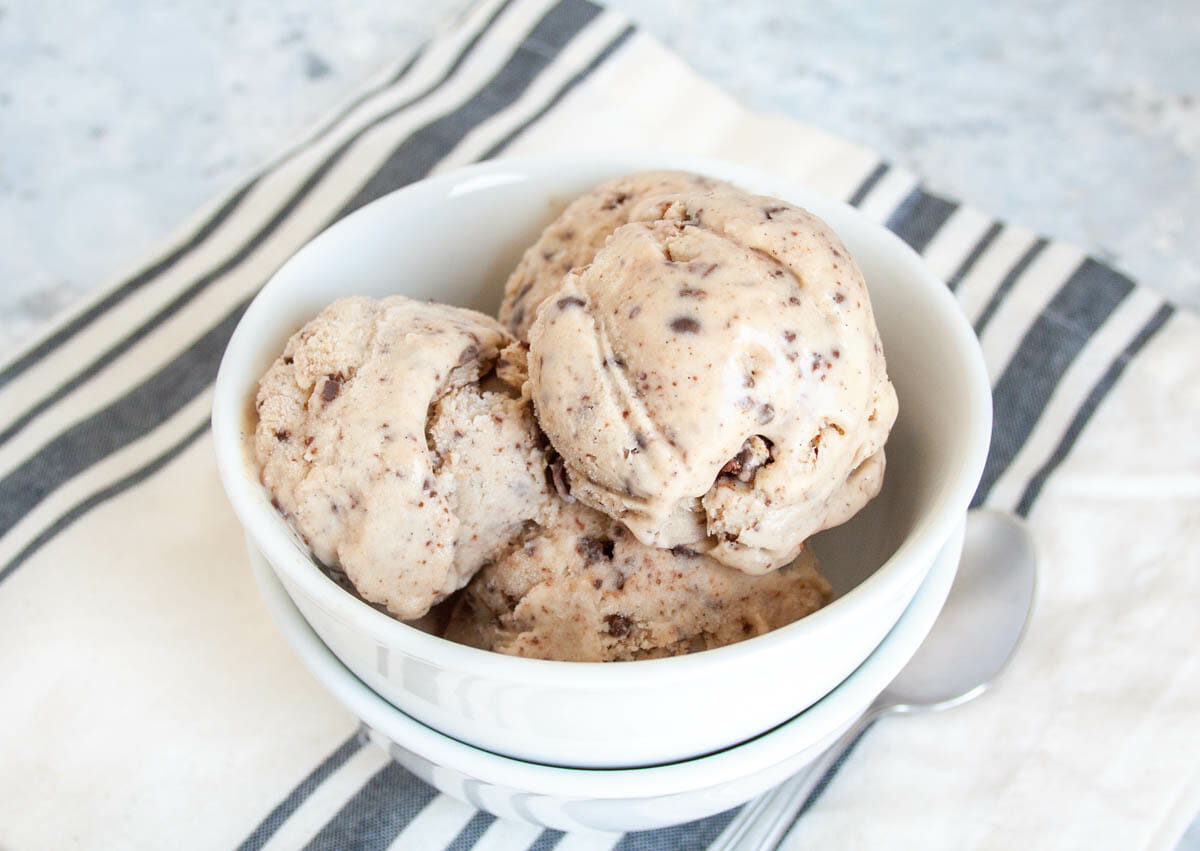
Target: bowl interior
[456,238]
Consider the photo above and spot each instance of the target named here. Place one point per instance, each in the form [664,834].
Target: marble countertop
[1077,119]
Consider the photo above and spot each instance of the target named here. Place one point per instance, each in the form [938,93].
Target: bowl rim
[769,748]
[270,532]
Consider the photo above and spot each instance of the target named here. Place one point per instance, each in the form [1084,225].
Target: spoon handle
[765,821]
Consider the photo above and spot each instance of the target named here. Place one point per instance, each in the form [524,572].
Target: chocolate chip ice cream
[694,385]
[714,378]
[582,588]
[380,444]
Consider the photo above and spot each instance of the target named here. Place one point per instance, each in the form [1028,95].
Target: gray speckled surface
[1078,118]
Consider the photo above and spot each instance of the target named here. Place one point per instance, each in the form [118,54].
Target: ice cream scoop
[580,231]
[714,378]
[381,447]
[582,588]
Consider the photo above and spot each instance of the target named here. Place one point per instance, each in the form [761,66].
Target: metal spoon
[972,639]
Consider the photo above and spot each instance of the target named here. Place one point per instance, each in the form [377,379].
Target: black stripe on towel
[602,57]
[547,840]
[472,830]
[115,297]
[1081,306]
[103,495]
[419,153]
[383,807]
[1094,398]
[864,189]
[266,829]
[1008,282]
[819,789]
[135,414]
[919,217]
[971,259]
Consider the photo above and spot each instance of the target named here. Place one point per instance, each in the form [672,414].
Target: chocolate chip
[557,478]
[289,360]
[793,301]
[640,439]
[597,583]
[620,581]
[733,467]
[618,625]
[634,311]
[771,212]
[839,297]
[685,325]
[569,301]
[691,292]
[595,549]
[756,452]
[765,414]
[684,551]
[282,435]
[332,387]
[615,201]
[789,336]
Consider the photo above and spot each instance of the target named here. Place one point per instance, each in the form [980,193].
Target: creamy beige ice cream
[714,378]
[380,446]
[583,589]
[579,232]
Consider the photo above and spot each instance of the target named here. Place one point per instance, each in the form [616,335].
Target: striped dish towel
[149,701]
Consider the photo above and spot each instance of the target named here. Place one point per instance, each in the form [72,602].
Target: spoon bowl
[981,623]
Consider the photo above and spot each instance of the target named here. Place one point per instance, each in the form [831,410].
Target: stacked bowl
[622,745]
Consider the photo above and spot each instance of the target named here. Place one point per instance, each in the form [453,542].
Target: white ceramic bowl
[616,799]
[454,238]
